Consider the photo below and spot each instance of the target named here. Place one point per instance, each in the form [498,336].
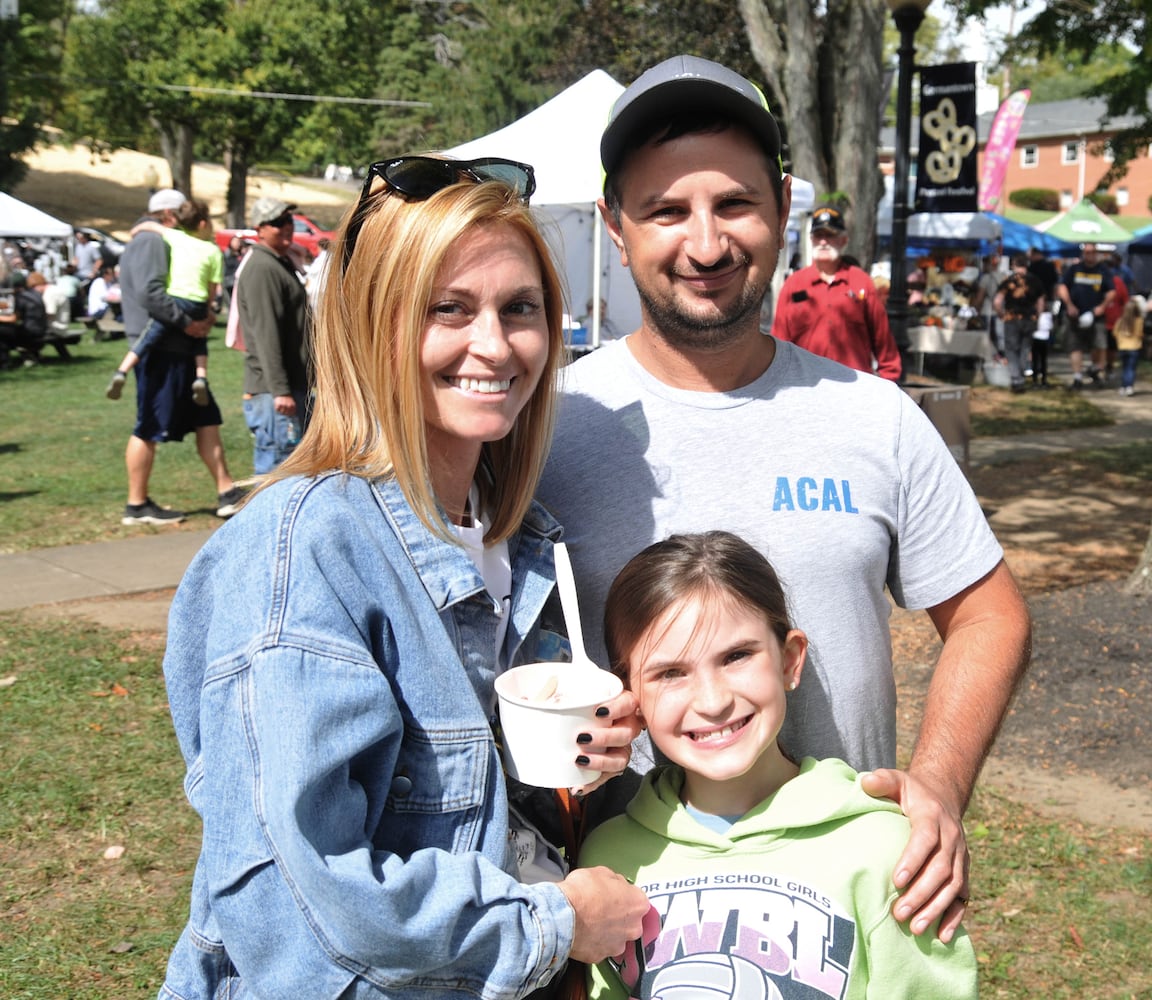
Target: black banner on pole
[946,175]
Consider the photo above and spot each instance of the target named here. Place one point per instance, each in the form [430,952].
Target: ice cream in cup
[543,708]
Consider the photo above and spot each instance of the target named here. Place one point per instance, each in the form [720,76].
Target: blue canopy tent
[1017,237]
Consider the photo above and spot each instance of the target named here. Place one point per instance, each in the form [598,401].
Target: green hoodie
[792,903]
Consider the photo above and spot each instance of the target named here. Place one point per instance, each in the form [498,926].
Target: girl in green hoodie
[769,878]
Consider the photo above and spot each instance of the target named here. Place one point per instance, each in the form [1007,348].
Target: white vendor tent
[955,226]
[561,139]
[20,219]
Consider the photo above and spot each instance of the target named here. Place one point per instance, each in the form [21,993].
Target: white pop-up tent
[18,218]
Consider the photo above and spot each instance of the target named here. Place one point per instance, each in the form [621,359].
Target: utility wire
[263,94]
[221,91]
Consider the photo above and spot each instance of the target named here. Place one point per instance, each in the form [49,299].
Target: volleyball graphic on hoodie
[713,977]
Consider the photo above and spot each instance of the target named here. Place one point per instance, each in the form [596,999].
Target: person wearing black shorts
[165,410]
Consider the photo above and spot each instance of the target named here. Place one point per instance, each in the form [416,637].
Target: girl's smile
[711,676]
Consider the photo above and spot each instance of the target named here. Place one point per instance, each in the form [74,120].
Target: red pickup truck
[306,234]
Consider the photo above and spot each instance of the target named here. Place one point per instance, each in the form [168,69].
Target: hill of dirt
[110,192]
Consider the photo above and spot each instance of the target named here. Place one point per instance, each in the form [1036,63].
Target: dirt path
[1078,741]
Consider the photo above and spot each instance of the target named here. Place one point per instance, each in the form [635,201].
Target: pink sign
[1001,142]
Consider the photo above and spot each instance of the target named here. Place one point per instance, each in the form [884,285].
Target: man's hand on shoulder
[932,873]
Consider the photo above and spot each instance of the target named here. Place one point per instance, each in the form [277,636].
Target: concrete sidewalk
[154,561]
[157,560]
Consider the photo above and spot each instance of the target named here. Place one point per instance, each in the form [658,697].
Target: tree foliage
[1078,33]
[626,37]
[193,70]
[31,47]
[498,62]
[1060,75]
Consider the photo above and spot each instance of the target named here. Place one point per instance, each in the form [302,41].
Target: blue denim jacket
[331,687]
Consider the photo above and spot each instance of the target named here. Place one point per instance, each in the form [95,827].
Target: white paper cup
[543,708]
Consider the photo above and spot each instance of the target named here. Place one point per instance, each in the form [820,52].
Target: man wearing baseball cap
[271,304]
[165,409]
[831,307]
[697,420]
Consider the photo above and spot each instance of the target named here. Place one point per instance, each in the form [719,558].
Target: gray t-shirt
[837,476]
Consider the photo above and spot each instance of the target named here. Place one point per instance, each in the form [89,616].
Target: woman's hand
[607,748]
[609,913]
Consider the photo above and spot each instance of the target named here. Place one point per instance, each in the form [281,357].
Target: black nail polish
[582,761]
[602,712]
[584,738]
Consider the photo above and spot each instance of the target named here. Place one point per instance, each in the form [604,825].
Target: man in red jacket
[832,308]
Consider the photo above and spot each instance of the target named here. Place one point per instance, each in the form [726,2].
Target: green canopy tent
[1085,223]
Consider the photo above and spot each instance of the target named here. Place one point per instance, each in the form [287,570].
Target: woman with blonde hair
[332,650]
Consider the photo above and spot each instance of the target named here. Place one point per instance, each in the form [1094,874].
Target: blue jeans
[155,330]
[274,435]
[1017,344]
[1128,361]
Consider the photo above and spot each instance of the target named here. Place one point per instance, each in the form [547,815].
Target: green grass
[62,449]
[997,412]
[62,444]
[1133,460]
[1060,910]
[88,761]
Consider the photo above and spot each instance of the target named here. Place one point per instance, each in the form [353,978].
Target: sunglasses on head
[278,222]
[416,178]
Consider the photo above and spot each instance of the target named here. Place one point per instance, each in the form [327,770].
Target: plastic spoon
[566,583]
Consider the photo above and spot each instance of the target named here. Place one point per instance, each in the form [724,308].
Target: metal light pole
[908,15]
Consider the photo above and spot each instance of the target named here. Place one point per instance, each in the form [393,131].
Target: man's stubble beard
[690,331]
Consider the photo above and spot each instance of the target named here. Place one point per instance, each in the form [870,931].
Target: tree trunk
[1140,582]
[783,42]
[857,48]
[176,140]
[827,75]
[236,163]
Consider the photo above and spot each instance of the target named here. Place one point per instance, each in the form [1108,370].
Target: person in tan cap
[832,308]
[271,304]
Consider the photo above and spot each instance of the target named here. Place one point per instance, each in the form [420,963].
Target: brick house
[1062,146]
